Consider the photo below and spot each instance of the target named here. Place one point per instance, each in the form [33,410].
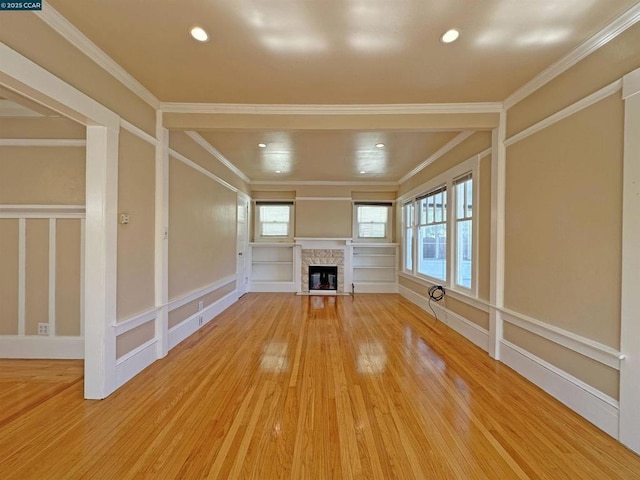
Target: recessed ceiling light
[199,34]
[278,171]
[262,145]
[362,171]
[379,145]
[450,36]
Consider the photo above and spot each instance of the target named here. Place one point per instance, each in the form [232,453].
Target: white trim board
[196,137]
[201,292]
[595,406]
[135,321]
[178,156]
[135,361]
[138,132]
[566,112]
[46,347]
[42,142]
[190,325]
[324,183]
[457,140]
[314,109]
[74,36]
[604,36]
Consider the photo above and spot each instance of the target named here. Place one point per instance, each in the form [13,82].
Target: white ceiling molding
[204,171]
[66,29]
[323,183]
[138,132]
[566,112]
[604,36]
[310,109]
[453,143]
[485,153]
[196,137]
[42,142]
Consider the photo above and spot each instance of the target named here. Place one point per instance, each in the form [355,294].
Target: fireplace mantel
[316,243]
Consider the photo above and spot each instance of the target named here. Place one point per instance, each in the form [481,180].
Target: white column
[100,261]
[498,185]
[162,239]
[630,300]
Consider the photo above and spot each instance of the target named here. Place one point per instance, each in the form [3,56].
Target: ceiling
[338,52]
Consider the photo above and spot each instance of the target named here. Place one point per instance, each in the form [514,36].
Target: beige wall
[68,277]
[42,176]
[9,277]
[136,197]
[484,229]
[37,275]
[324,218]
[41,127]
[31,37]
[564,223]
[202,230]
[134,338]
[185,311]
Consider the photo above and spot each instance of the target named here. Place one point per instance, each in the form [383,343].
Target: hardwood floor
[287,387]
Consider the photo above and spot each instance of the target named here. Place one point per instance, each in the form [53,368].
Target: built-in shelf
[374,267]
[272,266]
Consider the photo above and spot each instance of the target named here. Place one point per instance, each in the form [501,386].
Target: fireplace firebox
[323,277]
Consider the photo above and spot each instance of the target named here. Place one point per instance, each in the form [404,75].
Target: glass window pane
[408,249]
[275,229]
[438,207]
[372,214]
[422,211]
[371,230]
[274,213]
[469,184]
[432,251]
[464,253]
[460,200]
[430,209]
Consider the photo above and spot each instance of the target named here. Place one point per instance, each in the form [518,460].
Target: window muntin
[464,231]
[432,234]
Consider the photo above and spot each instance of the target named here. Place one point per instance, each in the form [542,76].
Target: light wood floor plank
[287,387]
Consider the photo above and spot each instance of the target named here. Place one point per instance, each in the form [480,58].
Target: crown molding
[61,25]
[311,109]
[323,183]
[604,36]
[457,140]
[196,137]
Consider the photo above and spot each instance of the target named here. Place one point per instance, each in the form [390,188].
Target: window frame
[406,226]
[433,222]
[257,234]
[468,167]
[388,224]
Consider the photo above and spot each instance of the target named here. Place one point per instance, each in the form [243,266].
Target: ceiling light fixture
[199,34]
[379,145]
[278,171]
[362,171]
[450,36]
[262,145]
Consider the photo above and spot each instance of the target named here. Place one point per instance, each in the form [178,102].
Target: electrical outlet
[43,329]
[200,319]
[200,305]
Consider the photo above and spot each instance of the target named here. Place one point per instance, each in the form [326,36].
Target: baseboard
[134,362]
[31,346]
[472,332]
[381,287]
[191,324]
[593,405]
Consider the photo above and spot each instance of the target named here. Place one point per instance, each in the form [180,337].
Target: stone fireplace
[322,258]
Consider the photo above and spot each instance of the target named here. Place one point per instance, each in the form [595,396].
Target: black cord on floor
[436,293]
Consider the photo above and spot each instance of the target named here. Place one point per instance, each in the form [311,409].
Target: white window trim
[446,178]
[388,227]
[403,234]
[257,237]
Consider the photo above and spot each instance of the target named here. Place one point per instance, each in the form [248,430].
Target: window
[464,229]
[432,234]
[372,221]
[273,221]
[407,225]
